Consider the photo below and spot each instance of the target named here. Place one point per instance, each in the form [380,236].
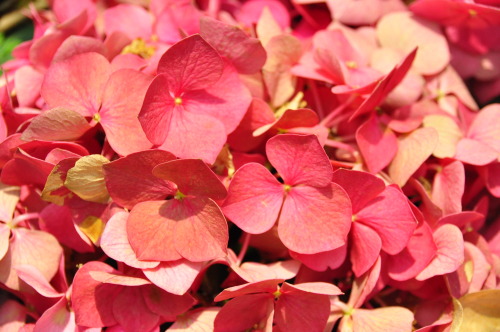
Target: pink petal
[174,277]
[264,286]
[77,83]
[192,177]
[251,272]
[377,144]
[433,53]
[91,300]
[117,279]
[115,244]
[245,312]
[190,64]
[390,215]
[322,260]
[298,310]
[322,288]
[474,152]
[254,199]
[419,252]
[57,318]
[227,100]
[199,320]
[139,319]
[486,127]
[361,187]
[74,45]
[188,129]
[302,117]
[57,124]
[245,53]
[448,188]
[365,248]
[493,179]
[387,319]
[450,252]
[4,239]
[130,180]
[151,230]
[167,305]
[311,228]
[363,287]
[199,220]
[413,150]
[24,169]
[118,18]
[28,82]
[9,197]
[30,275]
[299,159]
[13,316]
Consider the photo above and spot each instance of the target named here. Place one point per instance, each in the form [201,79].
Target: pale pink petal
[474,152]
[150,230]
[119,18]
[365,248]
[251,271]
[245,53]
[28,82]
[387,319]
[192,177]
[30,275]
[299,159]
[323,288]
[191,64]
[77,83]
[390,215]
[486,127]
[174,277]
[121,103]
[309,228]
[448,188]
[57,318]
[4,239]
[377,143]
[167,305]
[117,279]
[245,312]
[361,187]
[254,199]
[9,197]
[449,134]
[364,286]
[13,316]
[450,252]
[198,320]
[91,300]
[139,319]
[130,180]
[413,150]
[115,244]
[74,45]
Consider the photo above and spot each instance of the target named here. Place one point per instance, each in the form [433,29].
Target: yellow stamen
[139,47]
[96,117]
[179,195]
[351,64]
[472,12]
[287,187]
[178,100]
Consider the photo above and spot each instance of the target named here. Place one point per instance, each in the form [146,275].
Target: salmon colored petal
[200,221]
[77,83]
[139,319]
[433,53]
[365,248]
[302,117]
[390,215]
[448,188]
[91,300]
[74,45]
[264,286]
[298,310]
[118,279]
[167,305]
[57,318]
[190,64]
[130,180]
[245,53]
[199,320]
[450,252]
[30,275]
[321,261]
[192,177]
[322,288]
[361,187]
[174,277]
[299,159]
[114,242]
[245,312]
[28,83]
[377,143]
[413,150]
[186,132]
[311,228]
[419,252]
[387,319]
[151,230]
[254,199]
[227,100]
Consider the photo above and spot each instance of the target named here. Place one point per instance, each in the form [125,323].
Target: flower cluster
[259,165]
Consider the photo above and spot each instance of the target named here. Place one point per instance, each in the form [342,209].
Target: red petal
[191,64]
[139,319]
[299,159]
[167,305]
[254,199]
[309,228]
[192,177]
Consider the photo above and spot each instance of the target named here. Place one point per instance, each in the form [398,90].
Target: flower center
[139,47]
[351,64]
[96,117]
[178,100]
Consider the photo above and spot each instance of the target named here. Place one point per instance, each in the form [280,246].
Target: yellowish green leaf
[478,311]
[86,179]
[93,227]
